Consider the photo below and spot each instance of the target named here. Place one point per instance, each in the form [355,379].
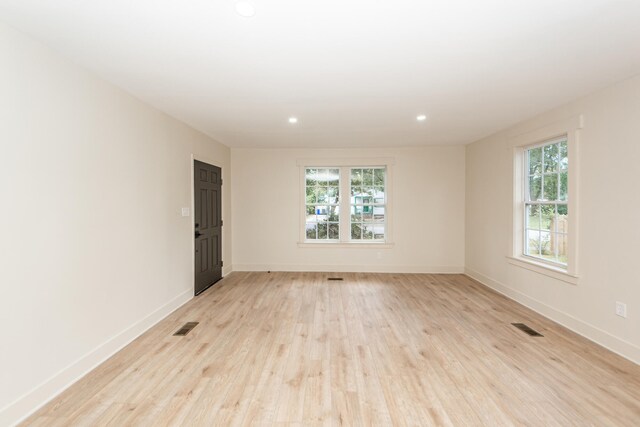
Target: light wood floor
[376,349]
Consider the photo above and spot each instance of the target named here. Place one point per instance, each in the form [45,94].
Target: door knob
[198,234]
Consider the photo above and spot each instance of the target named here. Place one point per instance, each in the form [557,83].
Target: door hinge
[221,263]
[221,222]
[221,181]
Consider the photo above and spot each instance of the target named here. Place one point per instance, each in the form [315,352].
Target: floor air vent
[335,278]
[528,330]
[185,329]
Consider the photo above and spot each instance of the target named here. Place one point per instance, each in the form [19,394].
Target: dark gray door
[207,182]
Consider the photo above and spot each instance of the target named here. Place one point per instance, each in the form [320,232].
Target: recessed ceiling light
[293,120]
[246,9]
[421,118]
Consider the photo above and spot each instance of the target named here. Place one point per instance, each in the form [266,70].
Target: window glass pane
[367,213]
[356,192]
[322,177]
[334,177]
[533,216]
[368,192]
[378,177]
[334,230]
[321,213]
[532,246]
[548,214]
[311,211]
[356,213]
[378,194]
[311,195]
[564,183]
[545,244]
[356,231]
[564,156]
[378,231]
[367,232]
[535,161]
[311,231]
[562,220]
[356,177]
[333,214]
[562,210]
[367,177]
[322,231]
[535,187]
[332,194]
[550,158]
[321,195]
[560,246]
[550,187]
[311,175]
[378,213]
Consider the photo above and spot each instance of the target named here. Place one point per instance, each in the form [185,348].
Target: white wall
[608,237]
[93,248]
[427,212]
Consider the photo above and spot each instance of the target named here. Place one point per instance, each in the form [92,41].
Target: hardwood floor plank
[294,349]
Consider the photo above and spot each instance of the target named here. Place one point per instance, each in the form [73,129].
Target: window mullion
[542,174]
[344,204]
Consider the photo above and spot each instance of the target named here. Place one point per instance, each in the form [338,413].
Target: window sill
[372,245]
[545,269]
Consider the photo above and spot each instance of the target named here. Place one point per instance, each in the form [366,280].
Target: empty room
[299,213]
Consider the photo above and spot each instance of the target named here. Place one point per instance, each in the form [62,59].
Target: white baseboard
[226,271]
[378,268]
[33,400]
[592,333]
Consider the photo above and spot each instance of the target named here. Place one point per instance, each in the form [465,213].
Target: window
[322,204]
[367,189]
[546,201]
[544,228]
[359,193]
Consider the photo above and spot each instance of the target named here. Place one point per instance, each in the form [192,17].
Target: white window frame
[519,144]
[345,165]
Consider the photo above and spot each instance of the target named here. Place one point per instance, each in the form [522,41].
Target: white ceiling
[355,72]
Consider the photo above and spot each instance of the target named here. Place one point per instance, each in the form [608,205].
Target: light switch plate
[185,211]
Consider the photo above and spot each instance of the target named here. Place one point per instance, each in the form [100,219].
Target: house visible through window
[546,201]
[360,194]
